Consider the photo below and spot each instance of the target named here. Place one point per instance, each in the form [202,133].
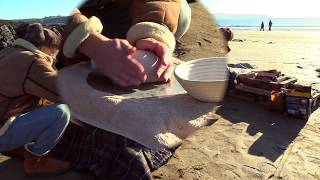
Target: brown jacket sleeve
[74,21]
[165,12]
[41,80]
[156,19]
[78,28]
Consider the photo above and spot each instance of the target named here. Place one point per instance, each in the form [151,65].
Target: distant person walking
[262,26]
[270,25]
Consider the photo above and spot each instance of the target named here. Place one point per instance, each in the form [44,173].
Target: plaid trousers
[108,155]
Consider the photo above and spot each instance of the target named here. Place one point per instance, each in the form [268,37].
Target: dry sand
[247,141]
[295,53]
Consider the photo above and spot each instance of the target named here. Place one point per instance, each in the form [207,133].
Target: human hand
[114,60]
[163,52]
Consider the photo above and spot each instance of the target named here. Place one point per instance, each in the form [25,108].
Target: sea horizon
[278,24]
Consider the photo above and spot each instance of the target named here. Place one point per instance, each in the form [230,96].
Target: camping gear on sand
[277,101]
[278,92]
[301,101]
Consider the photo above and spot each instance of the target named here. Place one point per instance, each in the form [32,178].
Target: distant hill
[259,16]
[12,29]
[46,20]
[240,16]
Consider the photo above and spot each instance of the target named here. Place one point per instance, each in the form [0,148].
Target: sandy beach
[296,53]
[246,141]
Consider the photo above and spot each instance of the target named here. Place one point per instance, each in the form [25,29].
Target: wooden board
[247,96]
[253,90]
[261,84]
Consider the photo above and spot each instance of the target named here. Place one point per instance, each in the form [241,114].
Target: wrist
[79,34]
[153,30]
[90,45]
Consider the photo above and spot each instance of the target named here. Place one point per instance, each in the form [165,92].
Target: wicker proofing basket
[204,79]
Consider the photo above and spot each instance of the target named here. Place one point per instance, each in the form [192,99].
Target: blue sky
[18,9]
[21,9]
[271,8]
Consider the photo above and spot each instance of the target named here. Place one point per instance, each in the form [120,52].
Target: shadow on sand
[277,130]
[12,169]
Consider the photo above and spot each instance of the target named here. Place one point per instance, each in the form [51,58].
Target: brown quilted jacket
[159,11]
[26,78]
[117,16]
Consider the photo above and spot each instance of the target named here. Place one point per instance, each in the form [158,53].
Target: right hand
[162,51]
[114,60]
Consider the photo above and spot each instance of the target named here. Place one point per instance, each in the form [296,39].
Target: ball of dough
[150,62]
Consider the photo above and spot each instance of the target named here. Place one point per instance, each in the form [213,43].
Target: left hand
[163,52]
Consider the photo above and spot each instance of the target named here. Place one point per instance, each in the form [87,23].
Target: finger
[164,59]
[130,67]
[119,81]
[131,50]
[139,76]
[161,70]
[166,76]
[146,44]
[161,51]
[125,46]
[136,68]
[163,66]
[131,80]
[153,45]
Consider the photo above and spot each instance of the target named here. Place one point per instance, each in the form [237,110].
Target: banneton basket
[204,79]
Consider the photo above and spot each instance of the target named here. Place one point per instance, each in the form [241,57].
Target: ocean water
[282,24]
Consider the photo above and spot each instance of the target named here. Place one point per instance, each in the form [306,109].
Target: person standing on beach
[270,25]
[262,26]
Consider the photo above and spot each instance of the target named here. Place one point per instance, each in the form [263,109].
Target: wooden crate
[298,107]
[267,85]
[302,107]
